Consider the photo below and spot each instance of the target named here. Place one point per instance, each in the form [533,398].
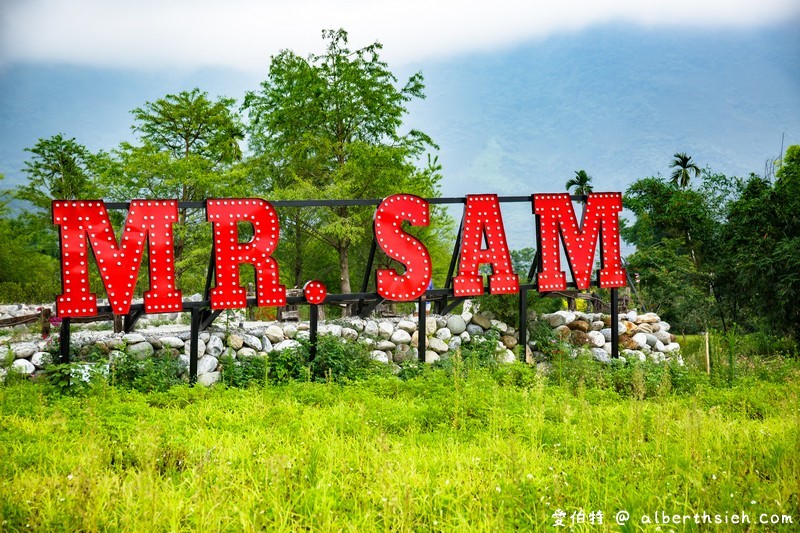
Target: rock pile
[18,310]
[640,336]
[391,341]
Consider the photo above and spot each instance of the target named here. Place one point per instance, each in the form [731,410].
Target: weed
[478,449]
[156,373]
[244,371]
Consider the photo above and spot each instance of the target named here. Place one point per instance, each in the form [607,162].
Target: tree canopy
[684,168]
[724,252]
[582,182]
[329,126]
[188,150]
[59,168]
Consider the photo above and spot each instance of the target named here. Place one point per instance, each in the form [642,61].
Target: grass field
[483,450]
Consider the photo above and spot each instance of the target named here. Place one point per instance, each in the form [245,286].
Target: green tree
[189,151]
[188,124]
[582,182]
[328,126]
[676,250]
[26,274]
[59,169]
[761,245]
[684,168]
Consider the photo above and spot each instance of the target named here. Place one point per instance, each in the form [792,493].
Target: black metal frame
[365,302]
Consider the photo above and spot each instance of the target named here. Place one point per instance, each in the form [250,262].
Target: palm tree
[582,183]
[684,166]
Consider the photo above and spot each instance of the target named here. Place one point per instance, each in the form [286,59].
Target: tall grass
[442,451]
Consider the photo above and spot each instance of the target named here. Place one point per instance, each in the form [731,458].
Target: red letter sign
[230,253]
[149,220]
[555,215]
[482,218]
[402,247]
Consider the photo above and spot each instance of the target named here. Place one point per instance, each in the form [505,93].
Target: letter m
[84,225]
[556,217]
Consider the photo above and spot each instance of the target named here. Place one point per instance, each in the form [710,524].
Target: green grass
[436,452]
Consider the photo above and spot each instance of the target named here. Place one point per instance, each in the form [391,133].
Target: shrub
[633,379]
[287,365]
[71,379]
[341,361]
[156,373]
[244,371]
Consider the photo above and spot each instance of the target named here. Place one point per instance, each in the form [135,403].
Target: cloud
[243,34]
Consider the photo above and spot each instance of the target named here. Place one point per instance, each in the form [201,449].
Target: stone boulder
[24,350]
[579,338]
[349,334]
[431,357]
[563,332]
[214,346]
[509,341]
[246,352]
[596,338]
[206,364]
[401,336]
[444,334]
[288,343]
[456,324]
[236,341]
[481,320]
[41,359]
[407,325]
[580,325]
[274,333]
[385,330]
[437,345]
[171,342]
[251,341]
[140,350]
[209,378]
[560,318]
[133,338]
[380,356]
[22,366]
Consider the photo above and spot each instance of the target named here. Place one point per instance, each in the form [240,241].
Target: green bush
[287,365]
[336,361]
[342,361]
[244,371]
[72,379]
[157,373]
[633,379]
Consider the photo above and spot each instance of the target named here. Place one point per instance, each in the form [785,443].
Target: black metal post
[312,337]
[364,284]
[614,323]
[421,330]
[534,265]
[63,340]
[194,337]
[448,282]
[523,322]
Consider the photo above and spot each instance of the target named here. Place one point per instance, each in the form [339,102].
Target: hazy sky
[521,94]
[144,34]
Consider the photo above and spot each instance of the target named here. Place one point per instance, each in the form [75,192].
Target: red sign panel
[85,227]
